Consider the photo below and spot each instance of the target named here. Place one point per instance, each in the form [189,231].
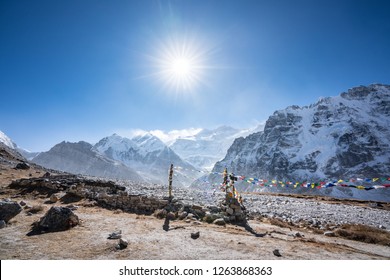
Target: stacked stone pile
[106,193]
[234,211]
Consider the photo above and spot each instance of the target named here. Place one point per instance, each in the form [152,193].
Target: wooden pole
[225,177]
[233,187]
[170,181]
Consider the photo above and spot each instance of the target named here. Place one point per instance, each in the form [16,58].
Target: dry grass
[279,223]
[365,234]
[36,209]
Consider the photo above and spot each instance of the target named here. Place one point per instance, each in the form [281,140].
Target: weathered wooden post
[170,181]
[225,177]
[232,179]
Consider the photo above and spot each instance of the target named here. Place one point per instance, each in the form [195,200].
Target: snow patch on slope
[6,140]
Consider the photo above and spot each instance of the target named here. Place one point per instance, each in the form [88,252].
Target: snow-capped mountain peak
[7,141]
[115,142]
[206,147]
[345,135]
[144,152]
[149,143]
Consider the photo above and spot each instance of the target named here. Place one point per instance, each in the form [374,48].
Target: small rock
[277,253]
[230,211]
[182,215]
[329,233]
[123,243]
[54,198]
[22,203]
[190,216]
[195,235]
[219,222]
[297,234]
[2,224]
[115,235]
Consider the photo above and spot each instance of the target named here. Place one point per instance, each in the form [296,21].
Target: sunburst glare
[181,65]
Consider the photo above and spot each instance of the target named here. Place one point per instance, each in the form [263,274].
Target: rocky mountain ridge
[146,154]
[4,139]
[82,158]
[342,136]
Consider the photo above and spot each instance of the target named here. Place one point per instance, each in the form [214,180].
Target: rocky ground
[277,227]
[316,211]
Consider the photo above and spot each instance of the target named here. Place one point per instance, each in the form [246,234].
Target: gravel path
[316,213]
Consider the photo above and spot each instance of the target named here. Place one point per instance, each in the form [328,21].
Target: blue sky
[82,70]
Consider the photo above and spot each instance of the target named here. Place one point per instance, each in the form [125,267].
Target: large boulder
[58,219]
[22,165]
[9,209]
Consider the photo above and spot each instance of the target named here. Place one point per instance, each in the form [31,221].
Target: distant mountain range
[143,157]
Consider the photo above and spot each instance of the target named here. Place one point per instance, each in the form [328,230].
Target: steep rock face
[9,156]
[81,158]
[146,154]
[342,136]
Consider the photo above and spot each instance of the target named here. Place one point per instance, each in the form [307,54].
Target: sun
[181,70]
[180,65]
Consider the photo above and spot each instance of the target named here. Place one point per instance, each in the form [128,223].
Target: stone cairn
[232,205]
